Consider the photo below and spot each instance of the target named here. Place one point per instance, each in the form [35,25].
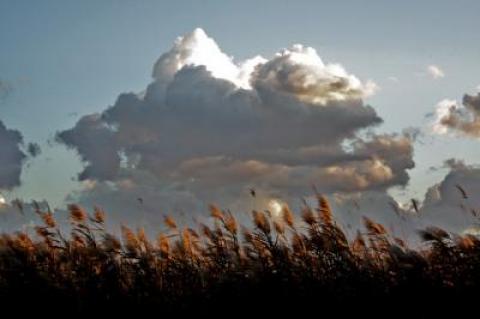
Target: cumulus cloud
[435,72]
[207,128]
[462,119]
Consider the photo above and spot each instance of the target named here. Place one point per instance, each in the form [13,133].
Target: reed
[296,260]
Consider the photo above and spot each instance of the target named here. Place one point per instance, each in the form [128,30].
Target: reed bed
[291,262]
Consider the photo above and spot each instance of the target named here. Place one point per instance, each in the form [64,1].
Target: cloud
[11,157]
[197,49]
[349,210]
[140,199]
[453,203]
[95,142]
[208,128]
[461,119]
[33,149]
[435,72]
[299,71]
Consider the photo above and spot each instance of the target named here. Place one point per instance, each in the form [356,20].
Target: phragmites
[49,220]
[130,239]
[231,224]
[358,245]
[434,234]
[78,241]
[216,213]
[225,218]
[143,240]
[98,216]
[316,257]
[468,242]
[187,241]
[325,213]
[77,213]
[24,241]
[287,216]
[42,232]
[308,216]
[298,244]
[374,228]
[163,245]
[279,227]
[47,236]
[111,243]
[261,221]
[170,222]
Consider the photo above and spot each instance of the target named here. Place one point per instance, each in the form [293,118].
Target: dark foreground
[279,267]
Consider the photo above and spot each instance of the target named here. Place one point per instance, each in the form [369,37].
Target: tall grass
[285,261]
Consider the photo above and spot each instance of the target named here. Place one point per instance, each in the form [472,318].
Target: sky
[403,66]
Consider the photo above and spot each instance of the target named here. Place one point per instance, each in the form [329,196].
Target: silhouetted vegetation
[281,264]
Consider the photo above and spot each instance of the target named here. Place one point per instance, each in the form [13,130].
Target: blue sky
[66,59]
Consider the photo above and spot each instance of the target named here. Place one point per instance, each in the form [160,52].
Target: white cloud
[197,49]
[442,110]
[435,72]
